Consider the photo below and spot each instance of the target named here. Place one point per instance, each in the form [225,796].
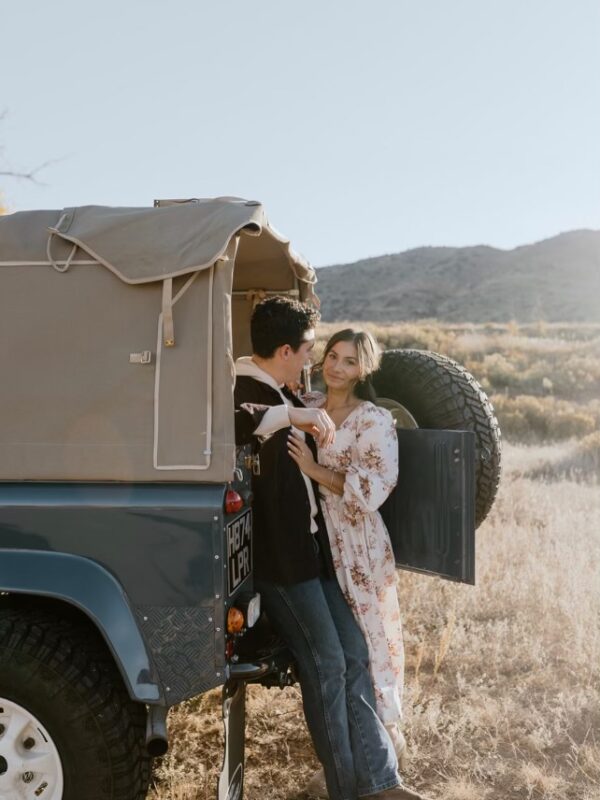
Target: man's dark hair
[279,321]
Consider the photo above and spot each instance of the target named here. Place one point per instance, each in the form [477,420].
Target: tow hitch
[231,779]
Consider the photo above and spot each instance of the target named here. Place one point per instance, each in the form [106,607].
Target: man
[292,562]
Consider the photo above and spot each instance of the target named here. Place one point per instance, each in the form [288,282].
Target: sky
[364,127]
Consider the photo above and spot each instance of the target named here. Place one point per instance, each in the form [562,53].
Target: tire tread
[440,393]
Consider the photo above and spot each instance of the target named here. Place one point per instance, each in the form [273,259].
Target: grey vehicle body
[147,564]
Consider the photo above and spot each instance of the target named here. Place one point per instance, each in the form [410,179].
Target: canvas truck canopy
[118,331]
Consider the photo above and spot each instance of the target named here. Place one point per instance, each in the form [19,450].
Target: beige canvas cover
[118,330]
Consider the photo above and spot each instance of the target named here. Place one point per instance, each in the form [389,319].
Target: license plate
[239,550]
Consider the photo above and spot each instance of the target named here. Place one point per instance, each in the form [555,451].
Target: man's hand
[315,421]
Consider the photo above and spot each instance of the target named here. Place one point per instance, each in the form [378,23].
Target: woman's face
[340,367]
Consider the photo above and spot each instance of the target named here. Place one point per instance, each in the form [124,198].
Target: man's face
[296,361]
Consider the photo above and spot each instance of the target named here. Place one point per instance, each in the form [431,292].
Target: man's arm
[254,418]
[247,419]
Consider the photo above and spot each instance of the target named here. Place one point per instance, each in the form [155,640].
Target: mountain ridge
[556,280]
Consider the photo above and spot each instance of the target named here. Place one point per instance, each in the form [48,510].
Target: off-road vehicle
[125,508]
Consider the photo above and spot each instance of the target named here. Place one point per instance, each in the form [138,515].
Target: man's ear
[284,351]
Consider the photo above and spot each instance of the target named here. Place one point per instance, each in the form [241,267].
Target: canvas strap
[311,297]
[255,296]
[59,266]
[167,313]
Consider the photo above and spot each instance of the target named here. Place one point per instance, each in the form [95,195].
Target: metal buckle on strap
[145,357]
[253,463]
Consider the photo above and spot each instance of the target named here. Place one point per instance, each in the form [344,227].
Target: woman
[355,475]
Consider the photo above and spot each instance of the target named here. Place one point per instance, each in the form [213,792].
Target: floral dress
[366,450]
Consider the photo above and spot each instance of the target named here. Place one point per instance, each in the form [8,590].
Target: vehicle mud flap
[231,779]
[430,515]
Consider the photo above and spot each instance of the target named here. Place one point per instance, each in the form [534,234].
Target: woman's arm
[373,473]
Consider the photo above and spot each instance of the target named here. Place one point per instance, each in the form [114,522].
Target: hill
[556,280]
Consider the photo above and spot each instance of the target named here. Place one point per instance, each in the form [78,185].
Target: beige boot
[397,793]
[316,787]
[399,742]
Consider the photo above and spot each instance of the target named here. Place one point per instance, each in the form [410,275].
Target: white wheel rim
[30,766]
[402,416]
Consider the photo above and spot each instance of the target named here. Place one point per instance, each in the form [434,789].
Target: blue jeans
[319,628]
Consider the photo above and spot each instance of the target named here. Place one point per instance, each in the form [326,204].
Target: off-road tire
[63,675]
[441,394]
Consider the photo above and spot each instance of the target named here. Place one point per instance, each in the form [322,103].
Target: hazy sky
[364,127]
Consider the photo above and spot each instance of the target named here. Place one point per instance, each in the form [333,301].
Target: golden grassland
[503,679]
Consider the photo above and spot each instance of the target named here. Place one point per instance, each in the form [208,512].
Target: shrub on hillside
[519,372]
[528,419]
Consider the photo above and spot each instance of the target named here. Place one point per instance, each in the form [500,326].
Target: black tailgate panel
[431,514]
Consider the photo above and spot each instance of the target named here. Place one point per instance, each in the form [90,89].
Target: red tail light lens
[233,502]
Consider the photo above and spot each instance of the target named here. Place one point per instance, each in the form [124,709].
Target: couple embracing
[323,563]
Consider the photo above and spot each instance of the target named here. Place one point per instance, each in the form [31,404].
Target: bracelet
[331,481]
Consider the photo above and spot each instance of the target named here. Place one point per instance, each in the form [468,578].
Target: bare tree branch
[32,174]
[25,175]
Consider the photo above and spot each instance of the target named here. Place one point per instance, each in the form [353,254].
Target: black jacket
[284,548]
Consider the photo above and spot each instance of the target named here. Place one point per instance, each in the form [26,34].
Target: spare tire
[441,394]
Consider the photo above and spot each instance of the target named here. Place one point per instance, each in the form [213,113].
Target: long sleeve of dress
[371,477]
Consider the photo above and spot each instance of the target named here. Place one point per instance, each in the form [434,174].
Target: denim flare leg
[319,628]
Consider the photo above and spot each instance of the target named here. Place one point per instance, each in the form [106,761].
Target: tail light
[233,502]
[235,620]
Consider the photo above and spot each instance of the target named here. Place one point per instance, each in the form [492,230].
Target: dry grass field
[503,679]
